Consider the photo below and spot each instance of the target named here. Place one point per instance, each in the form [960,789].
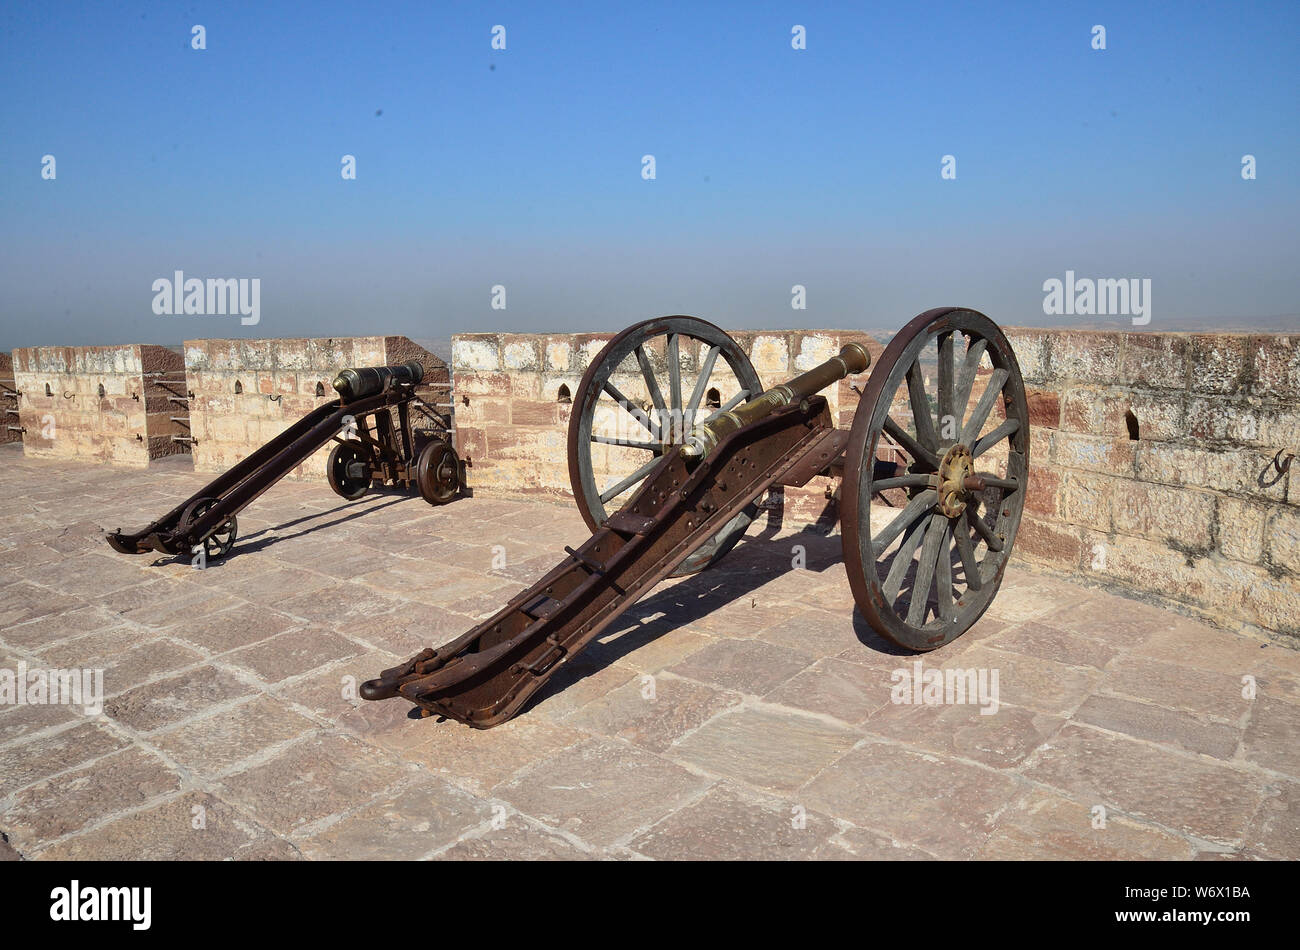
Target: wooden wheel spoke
[984,406]
[900,481]
[625,484]
[920,404]
[925,570]
[966,378]
[943,575]
[915,509]
[903,560]
[628,406]
[675,374]
[1008,428]
[909,445]
[655,447]
[982,529]
[651,384]
[701,384]
[945,384]
[966,551]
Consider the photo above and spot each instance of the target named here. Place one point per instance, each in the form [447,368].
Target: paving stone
[1274,831]
[768,749]
[168,611]
[573,686]
[214,744]
[860,844]
[17,722]
[944,807]
[1045,826]
[516,841]
[1001,740]
[57,627]
[23,601]
[1047,642]
[1216,696]
[67,803]
[834,687]
[28,762]
[172,700]
[1273,736]
[293,653]
[331,691]
[1192,644]
[747,666]
[653,714]
[601,790]
[726,825]
[481,759]
[1191,795]
[196,826]
[230,629]
[340,605]
[647,647]
[402,825]
[95,649]
[818,632]
[315,778]
[89,575]
[1043,685]
[1157,724]
[1126,627]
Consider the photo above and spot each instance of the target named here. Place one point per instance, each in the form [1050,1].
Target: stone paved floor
[228,730]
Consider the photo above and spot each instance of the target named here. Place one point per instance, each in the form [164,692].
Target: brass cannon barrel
[852,358]
[354,384]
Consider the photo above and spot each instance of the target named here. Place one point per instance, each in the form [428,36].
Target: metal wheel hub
[956,469]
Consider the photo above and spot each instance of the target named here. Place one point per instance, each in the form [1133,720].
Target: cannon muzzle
[852,358]
[354,384]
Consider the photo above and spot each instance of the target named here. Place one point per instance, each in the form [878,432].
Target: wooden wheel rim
[868,570]
[581,473]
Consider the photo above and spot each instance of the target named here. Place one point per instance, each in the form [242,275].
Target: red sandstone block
[1047,540]
[471,443]
[481,410]
[1042,496]
[1044,407]
[527,412]
[1094,411]
[1216,362]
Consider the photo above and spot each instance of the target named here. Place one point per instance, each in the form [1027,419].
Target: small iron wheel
[923,578]
[219,540]
[437,473]
[631,406]
[348,469]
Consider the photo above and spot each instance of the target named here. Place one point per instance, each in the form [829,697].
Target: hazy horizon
[522,168]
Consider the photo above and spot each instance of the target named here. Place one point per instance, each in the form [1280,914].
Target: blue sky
[522,167]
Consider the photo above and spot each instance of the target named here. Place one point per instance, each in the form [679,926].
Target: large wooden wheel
[946,397]
[632,407]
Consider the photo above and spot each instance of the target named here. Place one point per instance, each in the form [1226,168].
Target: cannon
[921,574]
[371,448]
